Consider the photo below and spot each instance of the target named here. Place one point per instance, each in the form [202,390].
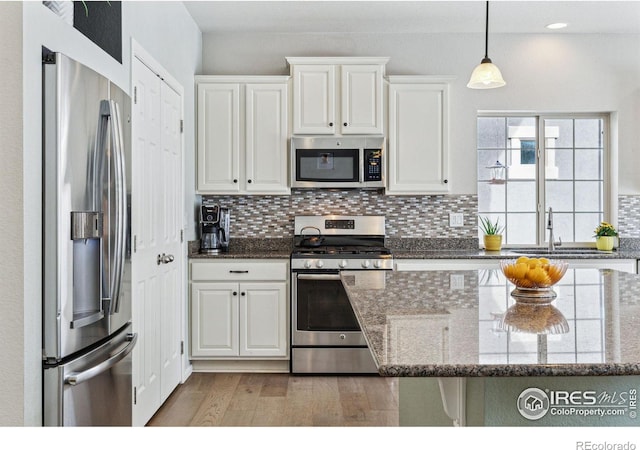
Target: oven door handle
[316,276]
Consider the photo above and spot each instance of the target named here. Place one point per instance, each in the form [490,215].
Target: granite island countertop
[466,324]
[565,253]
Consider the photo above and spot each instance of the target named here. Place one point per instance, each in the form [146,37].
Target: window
[551,161]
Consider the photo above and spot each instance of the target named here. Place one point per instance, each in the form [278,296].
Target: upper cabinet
[242,135]
[337,96]
[418,138]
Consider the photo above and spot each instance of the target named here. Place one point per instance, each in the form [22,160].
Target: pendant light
[486,75]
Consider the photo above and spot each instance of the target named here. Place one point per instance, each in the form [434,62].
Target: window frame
[609,172]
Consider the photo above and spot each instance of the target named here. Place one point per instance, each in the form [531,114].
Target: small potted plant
[492,234]
[605,236]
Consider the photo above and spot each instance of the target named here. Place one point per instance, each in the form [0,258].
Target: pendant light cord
[486,35]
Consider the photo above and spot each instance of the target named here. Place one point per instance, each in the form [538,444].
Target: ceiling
[427,16]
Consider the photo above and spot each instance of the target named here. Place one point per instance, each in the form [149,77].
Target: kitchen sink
[560,251]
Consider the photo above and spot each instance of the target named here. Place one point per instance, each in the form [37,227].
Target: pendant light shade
[486,75]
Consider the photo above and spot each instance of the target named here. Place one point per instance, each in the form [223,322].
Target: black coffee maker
[214,229]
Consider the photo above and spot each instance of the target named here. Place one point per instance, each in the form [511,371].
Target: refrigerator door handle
[75,378]
[121,203]
[110,116]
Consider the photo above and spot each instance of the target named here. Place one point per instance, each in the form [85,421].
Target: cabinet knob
[235,180]
[446,181]
[243,293]
[345,124]
[248,181]
[330,124]
[235,293]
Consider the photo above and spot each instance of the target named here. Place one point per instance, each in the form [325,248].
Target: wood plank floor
[257,400]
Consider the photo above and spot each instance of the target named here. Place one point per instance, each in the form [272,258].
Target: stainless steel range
[325,334]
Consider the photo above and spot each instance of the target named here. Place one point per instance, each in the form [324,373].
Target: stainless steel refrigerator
[87,333]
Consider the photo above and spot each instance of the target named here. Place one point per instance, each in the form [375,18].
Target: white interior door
[157,256]
[169,185]
[147,147]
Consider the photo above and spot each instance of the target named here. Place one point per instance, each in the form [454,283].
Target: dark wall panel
[102,23]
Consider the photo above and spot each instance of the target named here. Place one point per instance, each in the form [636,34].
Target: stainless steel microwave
[338,162]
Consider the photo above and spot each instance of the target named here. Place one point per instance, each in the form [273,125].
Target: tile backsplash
[629,216]
[425,216]
[422,216]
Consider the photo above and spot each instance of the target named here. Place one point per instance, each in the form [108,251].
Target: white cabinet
[418,138]
[239,309]
[337,95]
[242,135]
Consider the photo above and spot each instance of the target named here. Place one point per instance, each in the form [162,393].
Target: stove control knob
[307,264]
[365,264]
[343,264]
[377,264]
[319,264]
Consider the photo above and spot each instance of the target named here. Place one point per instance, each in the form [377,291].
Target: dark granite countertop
[247,249]
[466,323]
[565,253]
[278,248]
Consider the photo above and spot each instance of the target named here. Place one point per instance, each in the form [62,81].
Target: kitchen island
[453,326]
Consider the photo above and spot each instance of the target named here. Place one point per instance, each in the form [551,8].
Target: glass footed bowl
[533,277]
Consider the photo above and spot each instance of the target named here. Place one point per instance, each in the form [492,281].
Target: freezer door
[93,389]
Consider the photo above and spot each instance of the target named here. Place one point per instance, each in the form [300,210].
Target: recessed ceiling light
[556,26]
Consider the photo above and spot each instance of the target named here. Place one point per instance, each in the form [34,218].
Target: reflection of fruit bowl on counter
[533,277]
[532,318]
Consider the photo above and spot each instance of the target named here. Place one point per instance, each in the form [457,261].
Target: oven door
[322,314]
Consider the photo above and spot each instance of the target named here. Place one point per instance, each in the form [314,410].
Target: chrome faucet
[552,243]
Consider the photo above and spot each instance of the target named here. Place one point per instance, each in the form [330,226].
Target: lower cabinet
[239,309]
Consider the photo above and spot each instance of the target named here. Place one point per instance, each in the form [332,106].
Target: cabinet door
[214,319]
[263,319]
[361,92]
[266,138]
[218,138]
[418,139]
[314,99]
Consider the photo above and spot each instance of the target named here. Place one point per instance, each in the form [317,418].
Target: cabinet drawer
[239,270]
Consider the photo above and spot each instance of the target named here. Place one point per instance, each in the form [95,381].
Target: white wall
[11,238]
[168,33]
[550,72]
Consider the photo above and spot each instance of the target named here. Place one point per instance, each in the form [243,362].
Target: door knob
[165,259]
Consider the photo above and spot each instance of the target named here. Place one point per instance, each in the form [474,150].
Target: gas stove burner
[344,251]
[347,242]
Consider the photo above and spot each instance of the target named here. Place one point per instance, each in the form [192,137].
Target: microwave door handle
[361,166]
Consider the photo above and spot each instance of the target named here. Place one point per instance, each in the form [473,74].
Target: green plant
[605,229]
[489,228]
